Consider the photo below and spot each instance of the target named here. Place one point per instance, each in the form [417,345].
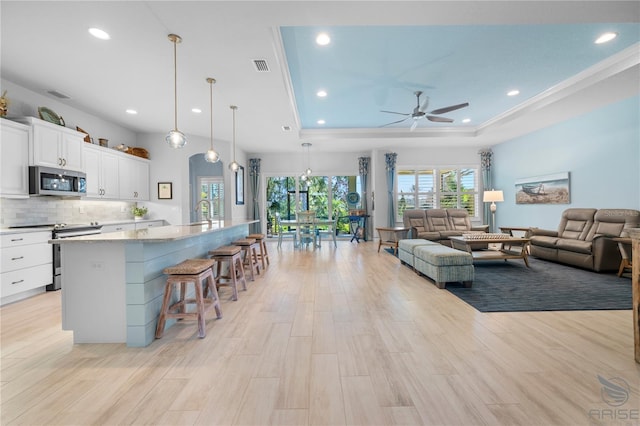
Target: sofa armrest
[482,228]
[606,255]
[544,232]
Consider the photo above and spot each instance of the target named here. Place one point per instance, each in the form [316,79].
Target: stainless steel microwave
[60,182]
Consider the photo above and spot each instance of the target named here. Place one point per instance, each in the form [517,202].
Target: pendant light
[234,166]
[307,173]
[211,156]
[175,138]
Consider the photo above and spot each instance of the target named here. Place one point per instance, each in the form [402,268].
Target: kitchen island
[112,284]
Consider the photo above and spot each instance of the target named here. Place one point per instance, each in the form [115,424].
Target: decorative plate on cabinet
[48,115]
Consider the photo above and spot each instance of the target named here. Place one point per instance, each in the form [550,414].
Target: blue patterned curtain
[254,173]
[390,160]
[486,156]
[363,163]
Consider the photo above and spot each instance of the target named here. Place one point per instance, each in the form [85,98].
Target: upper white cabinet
[14,156]
[134,178]
[54,146]
[102,172]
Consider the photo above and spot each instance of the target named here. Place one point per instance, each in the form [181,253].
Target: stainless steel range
[63,230]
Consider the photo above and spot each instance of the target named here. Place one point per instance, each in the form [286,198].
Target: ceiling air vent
[261,65]
[58,94]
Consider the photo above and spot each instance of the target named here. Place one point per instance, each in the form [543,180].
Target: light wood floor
[331,337]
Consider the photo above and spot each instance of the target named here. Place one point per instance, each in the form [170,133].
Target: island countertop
[113,284]
[158,234]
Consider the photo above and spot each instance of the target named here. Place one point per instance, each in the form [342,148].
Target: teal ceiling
[366,69]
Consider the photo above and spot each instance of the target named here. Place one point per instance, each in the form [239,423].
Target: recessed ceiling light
[323,39]
[513,92]
[98,33]
[196,110]
[321,121]
[321,93]
[606,37]
[466,120]
[132,111]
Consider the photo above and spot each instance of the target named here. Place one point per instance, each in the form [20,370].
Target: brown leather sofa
[439,224]
[583,238]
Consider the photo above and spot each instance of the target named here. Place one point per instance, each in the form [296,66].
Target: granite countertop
[9,230]
[159,234]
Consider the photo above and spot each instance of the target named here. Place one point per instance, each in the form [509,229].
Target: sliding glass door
[326,195]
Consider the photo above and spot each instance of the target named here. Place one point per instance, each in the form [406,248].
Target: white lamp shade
[492,196]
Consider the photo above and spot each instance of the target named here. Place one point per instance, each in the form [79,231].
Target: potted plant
[139,212]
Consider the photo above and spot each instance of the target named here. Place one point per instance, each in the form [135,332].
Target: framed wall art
[240,185]
[165,190]
[547,189]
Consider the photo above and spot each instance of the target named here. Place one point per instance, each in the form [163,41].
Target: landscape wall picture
[547,189]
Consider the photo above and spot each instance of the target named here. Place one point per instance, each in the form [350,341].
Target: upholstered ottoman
[444,264]
[406,250]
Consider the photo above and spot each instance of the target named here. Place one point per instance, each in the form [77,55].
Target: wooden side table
[625,262]
[635,283]
[391,236]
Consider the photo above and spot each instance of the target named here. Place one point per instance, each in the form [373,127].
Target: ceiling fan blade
[449,108]
[395,122]
[425,104]
[439,119]
[414,125]
[393,112]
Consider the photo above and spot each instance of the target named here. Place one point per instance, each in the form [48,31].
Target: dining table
[318,222]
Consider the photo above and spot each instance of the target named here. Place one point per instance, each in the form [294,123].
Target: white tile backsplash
[44,210]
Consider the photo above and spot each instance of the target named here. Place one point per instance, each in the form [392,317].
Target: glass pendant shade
[175,138]
[307,173]
[211,156]
[234,166]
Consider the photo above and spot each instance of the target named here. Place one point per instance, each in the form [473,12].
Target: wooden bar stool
[235,271]
[194,271]
[250,249]
[264,255]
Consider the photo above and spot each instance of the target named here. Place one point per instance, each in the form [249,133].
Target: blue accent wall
[600,150]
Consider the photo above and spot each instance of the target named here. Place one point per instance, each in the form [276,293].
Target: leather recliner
[583,238]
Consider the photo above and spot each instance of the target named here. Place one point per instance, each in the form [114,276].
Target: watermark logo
[615,391]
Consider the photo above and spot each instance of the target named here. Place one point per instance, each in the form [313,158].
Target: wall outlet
[81,209]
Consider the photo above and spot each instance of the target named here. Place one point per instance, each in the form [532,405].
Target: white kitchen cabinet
[102,172]
[26,262]
[118,227]
[54,146]
[14,154]
[134,178]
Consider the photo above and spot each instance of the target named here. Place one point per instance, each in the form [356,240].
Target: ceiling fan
[419,112]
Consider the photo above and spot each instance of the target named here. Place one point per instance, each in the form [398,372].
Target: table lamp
[493,196]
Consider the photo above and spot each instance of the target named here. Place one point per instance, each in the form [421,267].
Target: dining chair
[330,230]
[306,228]
[283,233]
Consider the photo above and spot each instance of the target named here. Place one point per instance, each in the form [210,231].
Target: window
[327,195]
[211,188]
[437,188]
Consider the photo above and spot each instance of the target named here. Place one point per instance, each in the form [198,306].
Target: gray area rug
[510,286]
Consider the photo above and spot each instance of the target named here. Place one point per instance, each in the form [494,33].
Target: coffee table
[517,247]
